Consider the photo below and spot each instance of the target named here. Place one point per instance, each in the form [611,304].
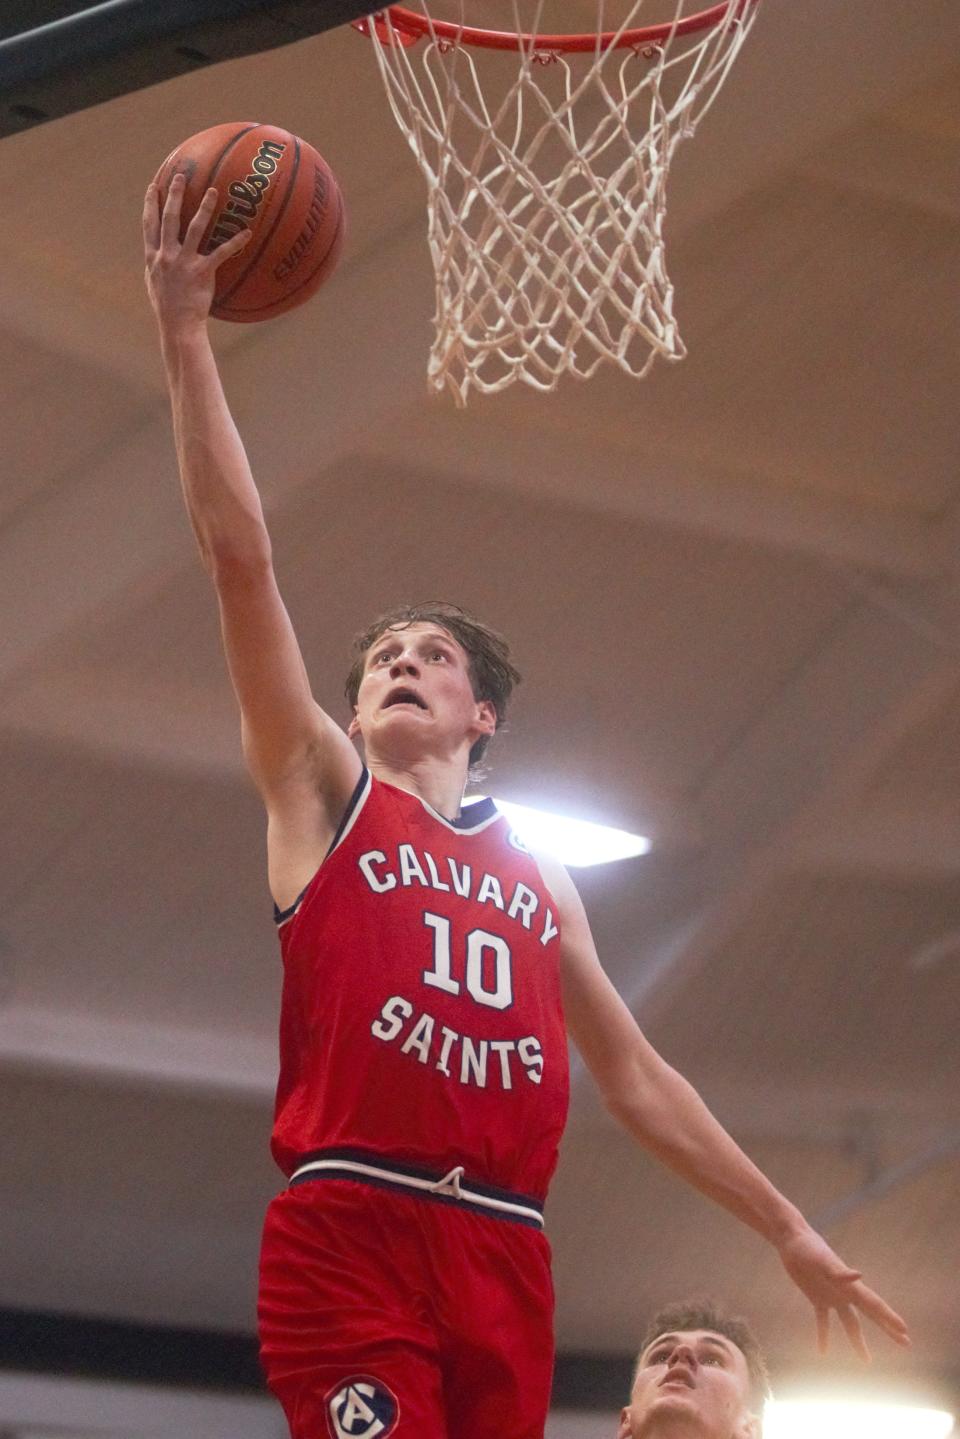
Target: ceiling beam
[604,475]
[114,528]
[871,681]
[124,1052]
[913,836]
[943,1148]
[803,70]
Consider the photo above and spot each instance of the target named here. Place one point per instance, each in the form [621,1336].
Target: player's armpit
[621,1062]
[599,1023]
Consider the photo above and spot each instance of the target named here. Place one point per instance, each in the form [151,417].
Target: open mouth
[678,1376]
[403,697]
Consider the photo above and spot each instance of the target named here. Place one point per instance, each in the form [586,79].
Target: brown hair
[706,1314]
[492,675]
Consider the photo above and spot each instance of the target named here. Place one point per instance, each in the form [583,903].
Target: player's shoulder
[557,879]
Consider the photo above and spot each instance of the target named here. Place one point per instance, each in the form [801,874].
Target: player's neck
[673,1426]
[439,782]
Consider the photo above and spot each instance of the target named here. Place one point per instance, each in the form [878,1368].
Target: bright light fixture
[572,841]
[846,1419]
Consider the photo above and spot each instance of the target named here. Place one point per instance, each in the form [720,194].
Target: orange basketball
[276,185]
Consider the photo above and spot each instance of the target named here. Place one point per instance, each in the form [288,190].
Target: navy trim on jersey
[475,814]
[348,812]
[475,817]
[280,916]
[401,1168]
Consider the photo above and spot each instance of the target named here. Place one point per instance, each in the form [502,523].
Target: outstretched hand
[180,280]
[830,1284]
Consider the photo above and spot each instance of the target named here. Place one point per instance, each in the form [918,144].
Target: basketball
[280,188]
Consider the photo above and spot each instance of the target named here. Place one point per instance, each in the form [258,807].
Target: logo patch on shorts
[362,1408]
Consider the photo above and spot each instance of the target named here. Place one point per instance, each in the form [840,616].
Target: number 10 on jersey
[487,958]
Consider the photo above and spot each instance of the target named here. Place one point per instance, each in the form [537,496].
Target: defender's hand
[830,1284]
[180,281]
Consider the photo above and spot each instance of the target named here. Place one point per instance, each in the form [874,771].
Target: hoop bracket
[375,28]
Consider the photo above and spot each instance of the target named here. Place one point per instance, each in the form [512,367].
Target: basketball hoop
[546,182]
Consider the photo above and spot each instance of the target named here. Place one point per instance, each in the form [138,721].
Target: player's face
[416,698]
[690,1385]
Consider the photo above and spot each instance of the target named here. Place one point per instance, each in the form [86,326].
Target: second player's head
[427,680]
[700,1374]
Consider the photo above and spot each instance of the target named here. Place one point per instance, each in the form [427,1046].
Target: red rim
[418,26]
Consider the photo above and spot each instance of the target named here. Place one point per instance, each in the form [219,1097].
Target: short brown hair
[706,1314]
[492,675]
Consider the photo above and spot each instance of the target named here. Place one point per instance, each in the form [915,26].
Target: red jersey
[421,1017]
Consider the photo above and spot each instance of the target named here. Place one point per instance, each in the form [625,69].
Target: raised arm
[668,1118]
[302,762]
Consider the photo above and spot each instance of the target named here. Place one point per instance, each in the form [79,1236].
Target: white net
[546,176]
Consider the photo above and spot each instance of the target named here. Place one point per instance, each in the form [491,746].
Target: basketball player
[429,964]
[700,1374]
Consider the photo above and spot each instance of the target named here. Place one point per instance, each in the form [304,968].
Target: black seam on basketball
[223,314]
[216,166]
[225,152]
[276,221]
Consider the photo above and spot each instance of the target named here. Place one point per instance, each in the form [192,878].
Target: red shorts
[392,1314]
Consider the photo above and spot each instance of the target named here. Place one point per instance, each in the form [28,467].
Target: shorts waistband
[450,1188]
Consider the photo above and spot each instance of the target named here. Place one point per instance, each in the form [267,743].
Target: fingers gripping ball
[278,187]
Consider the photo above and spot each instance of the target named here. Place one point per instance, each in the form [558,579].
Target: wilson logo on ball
[247,194]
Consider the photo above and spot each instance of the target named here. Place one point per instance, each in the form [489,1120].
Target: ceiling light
[846,1419]
[572,841]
